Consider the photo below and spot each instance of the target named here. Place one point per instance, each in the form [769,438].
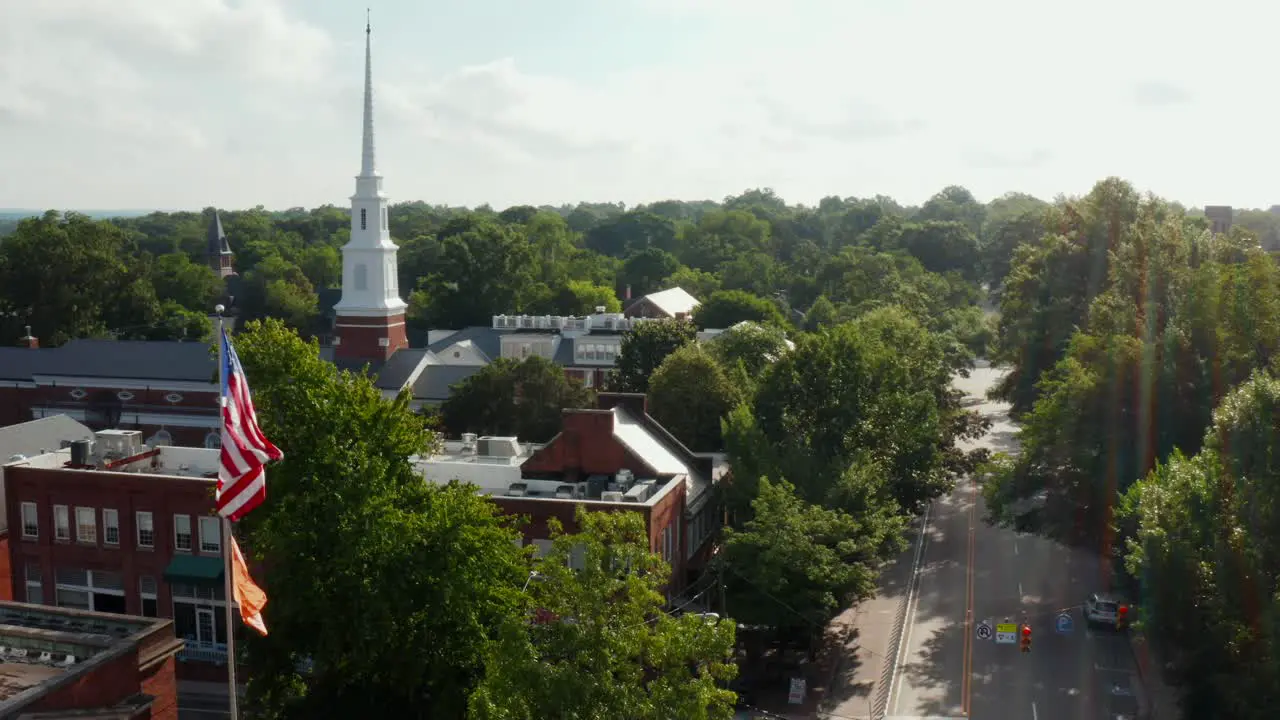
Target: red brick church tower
[369,323]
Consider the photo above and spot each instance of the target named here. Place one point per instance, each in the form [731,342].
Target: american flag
[242,480]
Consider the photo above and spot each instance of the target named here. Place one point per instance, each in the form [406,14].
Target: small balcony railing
[208,652]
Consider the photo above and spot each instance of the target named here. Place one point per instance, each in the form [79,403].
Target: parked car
[1102,611]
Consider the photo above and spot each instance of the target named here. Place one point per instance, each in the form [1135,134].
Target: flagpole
[227,569]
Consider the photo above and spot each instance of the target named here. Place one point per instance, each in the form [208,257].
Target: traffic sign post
[984,630]
[1065,623]
[1006,633]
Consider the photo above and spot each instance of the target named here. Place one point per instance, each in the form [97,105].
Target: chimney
[29,340]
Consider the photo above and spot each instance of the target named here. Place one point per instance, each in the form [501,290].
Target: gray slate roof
[486,339]
[39,436]
[434,383]
[395,372]
[130,360]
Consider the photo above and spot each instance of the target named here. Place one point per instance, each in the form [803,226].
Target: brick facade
[360,338]
[128,493]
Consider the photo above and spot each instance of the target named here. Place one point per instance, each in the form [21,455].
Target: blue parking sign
[1065,623]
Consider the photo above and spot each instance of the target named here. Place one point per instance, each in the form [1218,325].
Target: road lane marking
[1020,593]
[966,680]
[895,689]
[1034,714]
[1015,547]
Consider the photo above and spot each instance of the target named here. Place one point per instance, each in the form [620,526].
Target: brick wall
[125,492]
[15,405]
[104,685]
[160,681]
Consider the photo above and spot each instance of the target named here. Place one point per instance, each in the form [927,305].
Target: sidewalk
[1161,699]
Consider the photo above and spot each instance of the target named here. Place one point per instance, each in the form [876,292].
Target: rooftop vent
[611,496]
[503,447]
[469,443]
[518,490]
[566,492]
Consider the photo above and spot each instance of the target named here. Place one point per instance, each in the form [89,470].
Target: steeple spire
[368,163]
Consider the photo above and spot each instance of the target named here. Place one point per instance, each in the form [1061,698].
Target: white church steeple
[370,288]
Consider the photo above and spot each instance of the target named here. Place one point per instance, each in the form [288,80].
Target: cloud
[1154,93]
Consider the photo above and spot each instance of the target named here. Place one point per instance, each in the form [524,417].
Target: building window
[213,441]
[84,590]
[384,218]
[61,523]
[147,591]
[199,616]
[182,533]
[35,589]
[110,526]
[210,534]
[666,543]
[146,530]
[578,557]
[542,547]
[30,521]
[86,525]
[362,277]
[364,219]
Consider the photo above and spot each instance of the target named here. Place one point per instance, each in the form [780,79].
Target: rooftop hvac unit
[639,493]
[625,476]
[118,443]
[611,496]
[518,490]
[566,492]
[506,447]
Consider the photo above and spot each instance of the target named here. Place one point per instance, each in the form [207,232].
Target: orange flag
[248,595]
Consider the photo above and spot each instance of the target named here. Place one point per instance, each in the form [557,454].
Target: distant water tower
[1219,218]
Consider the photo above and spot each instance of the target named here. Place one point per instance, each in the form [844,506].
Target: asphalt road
[967,572]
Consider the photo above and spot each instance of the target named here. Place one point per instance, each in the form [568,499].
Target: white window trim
[137,528]
[62,531]
[217,534]
[92,537]
[34,517]
[114,522]
[177,546]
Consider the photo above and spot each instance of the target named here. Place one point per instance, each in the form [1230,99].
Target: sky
[183,104]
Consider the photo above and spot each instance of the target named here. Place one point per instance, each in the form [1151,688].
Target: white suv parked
[1101,610]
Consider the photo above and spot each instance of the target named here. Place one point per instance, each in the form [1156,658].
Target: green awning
[200,569]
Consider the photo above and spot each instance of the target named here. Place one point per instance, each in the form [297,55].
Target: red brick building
[163,389]
[612,458]
[123,528]
[61,664]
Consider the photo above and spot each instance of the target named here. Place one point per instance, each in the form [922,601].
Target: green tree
[644,347]
[879,384]
[107,291]
[523,398]
[1207,547]
[484,269]
[195,287]
[644,270]
[794,565]
[689,394]
[595,642]
[727,308]
[390,586]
